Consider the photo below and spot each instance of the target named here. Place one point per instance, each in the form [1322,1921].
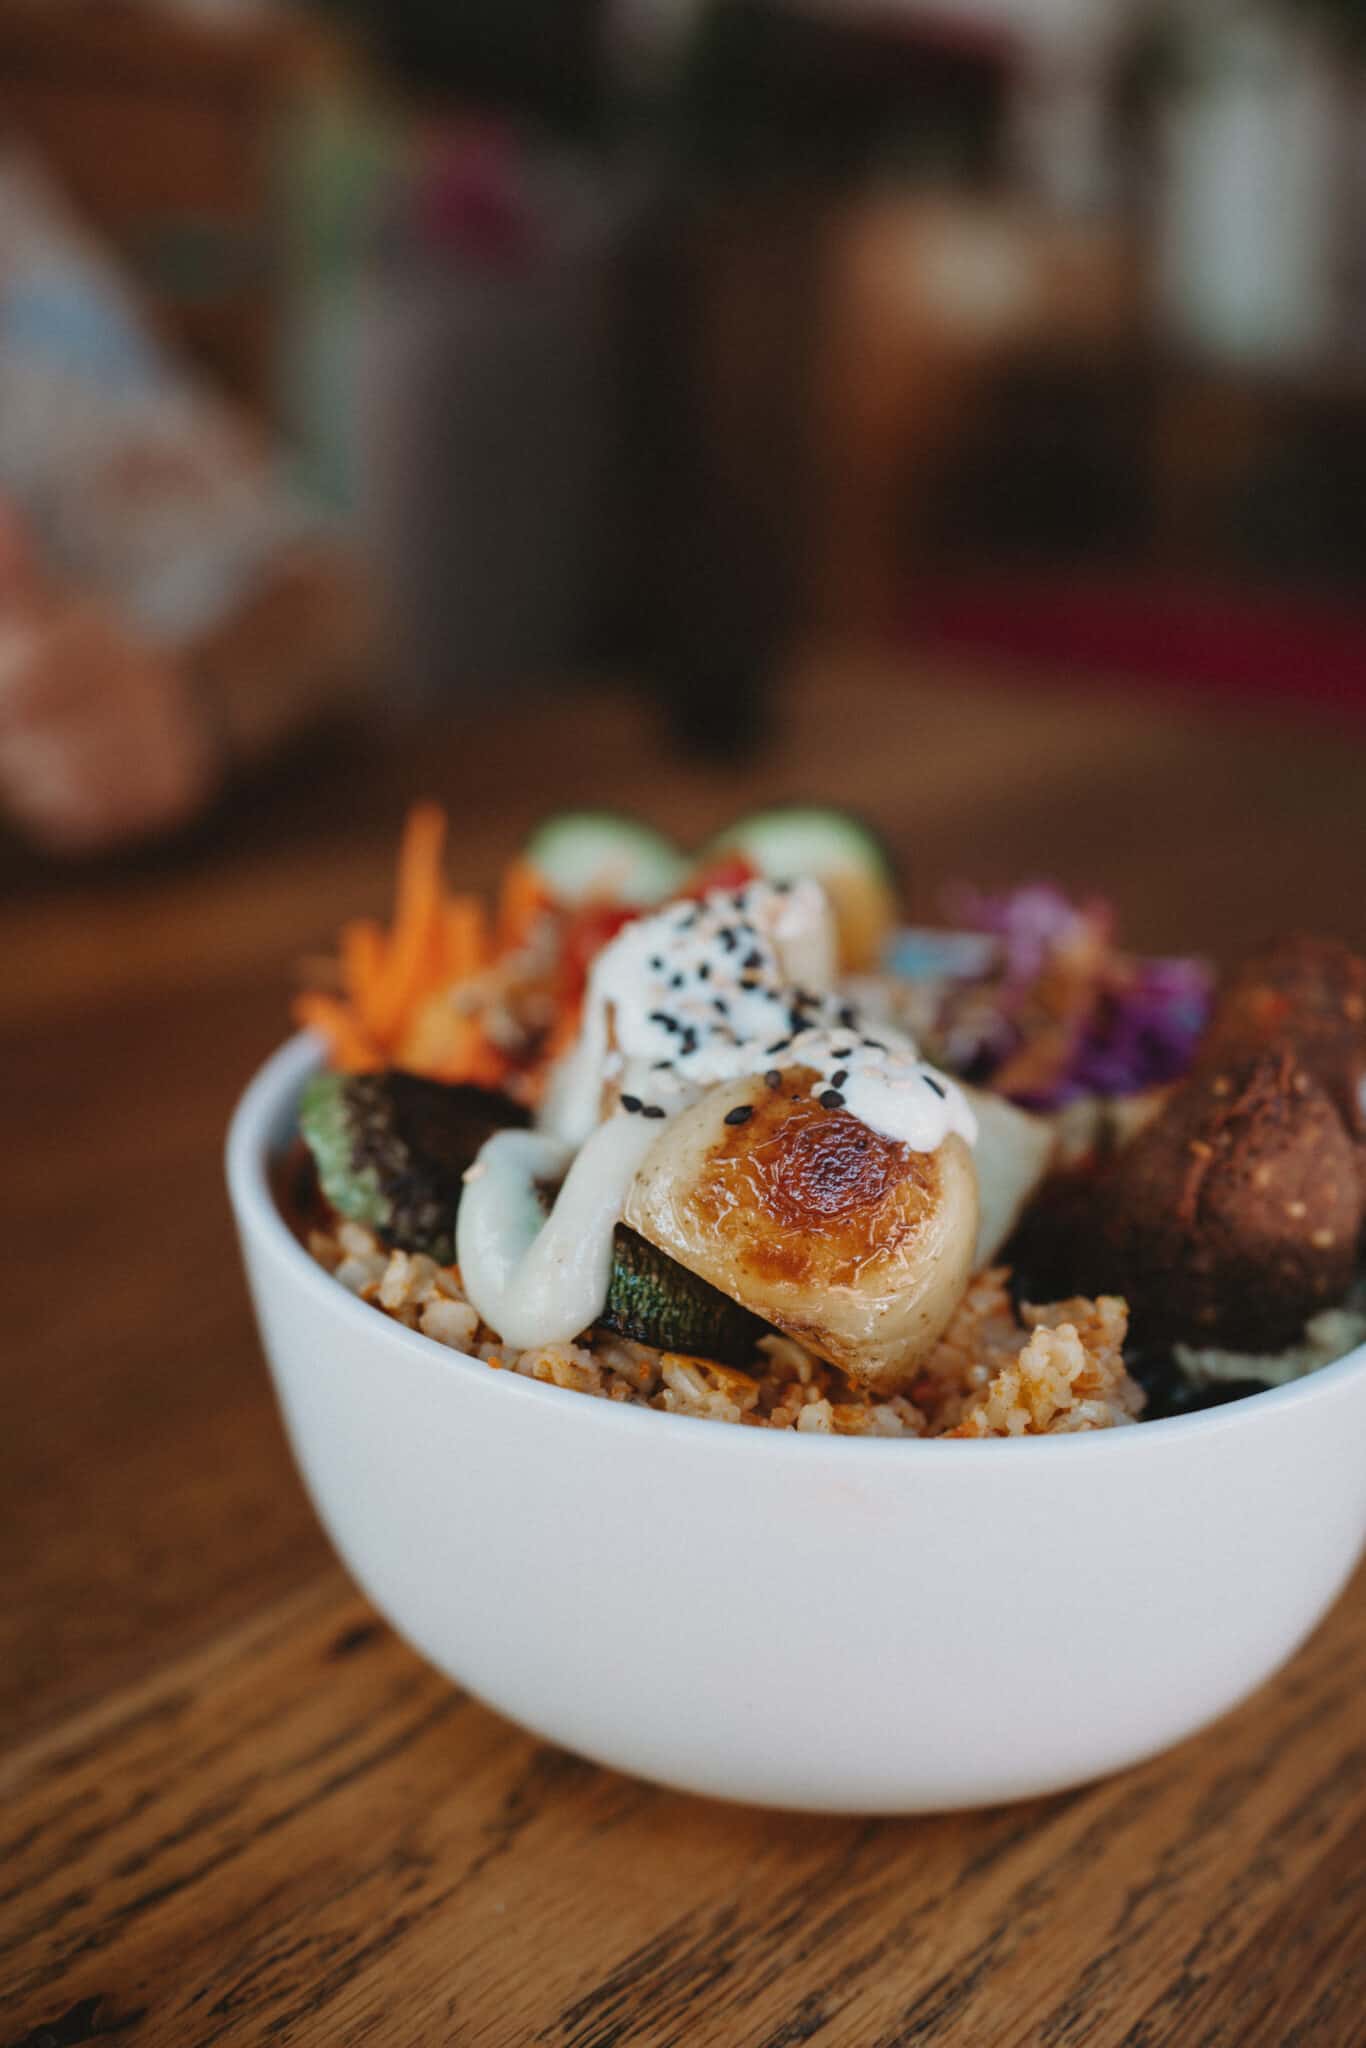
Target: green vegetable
[654,1300]
[587,856]
[328,1127]
[793,843]
[793,840]
[391,1150]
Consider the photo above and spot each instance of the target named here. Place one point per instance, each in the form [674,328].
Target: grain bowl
[795,1618]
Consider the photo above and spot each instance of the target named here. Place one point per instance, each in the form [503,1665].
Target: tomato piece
[587,931]
[728,871]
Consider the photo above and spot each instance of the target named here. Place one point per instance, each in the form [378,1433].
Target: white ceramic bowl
[838,1624]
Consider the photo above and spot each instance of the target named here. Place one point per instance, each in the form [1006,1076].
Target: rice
[1058,1370]
[1069,1376]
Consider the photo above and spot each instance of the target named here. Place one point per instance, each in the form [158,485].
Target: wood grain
[278,1832]
[234,1808]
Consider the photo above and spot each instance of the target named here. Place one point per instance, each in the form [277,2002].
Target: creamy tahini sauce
[537,1279]
[708,992]
[697,994]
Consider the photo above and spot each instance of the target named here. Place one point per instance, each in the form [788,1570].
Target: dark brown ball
[1309,994]
[1235,1215]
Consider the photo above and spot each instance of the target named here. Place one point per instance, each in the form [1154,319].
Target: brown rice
[1059,1370]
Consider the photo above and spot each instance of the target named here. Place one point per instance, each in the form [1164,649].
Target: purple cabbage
[1144,1030]
[1122,1024]
[1032,923]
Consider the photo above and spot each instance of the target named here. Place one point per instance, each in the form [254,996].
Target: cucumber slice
[793,843]
[654,1300]
[391,1150]
[603,856]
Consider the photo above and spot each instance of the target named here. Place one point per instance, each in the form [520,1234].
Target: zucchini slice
[794,843]
[391,1150]
[603,856]
[654,1300]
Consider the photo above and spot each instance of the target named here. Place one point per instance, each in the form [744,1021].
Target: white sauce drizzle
[537,1279]
[707,992]
[698,994]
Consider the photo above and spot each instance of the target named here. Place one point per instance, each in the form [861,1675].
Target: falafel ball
[1307,993]
[1235,1215]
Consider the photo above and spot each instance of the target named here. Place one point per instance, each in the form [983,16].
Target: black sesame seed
[875,1045]
[663,1018]
[738,899]
[782,887]
[653,1109]
[754,960]
[846,1052]
[728,938]
[831,1099]
[849,1017]
[773,1079]
[796,1021]
[631,1103]
[661,1066]
[838,1080]
[778,1045]
[676,980]
[748,983]
[930,1082]
[689,1040]
[721,1006]
[741,1113]
[656,961]
[704,971]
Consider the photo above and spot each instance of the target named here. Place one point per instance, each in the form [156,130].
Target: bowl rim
[257,1212]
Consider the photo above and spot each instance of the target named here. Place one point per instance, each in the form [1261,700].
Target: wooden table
[237,1810]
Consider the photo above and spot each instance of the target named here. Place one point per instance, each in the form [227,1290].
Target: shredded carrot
[449,1046]
[410,995]
[521,900]
[347,1045]
[417,910]
[362,966]
[465,946]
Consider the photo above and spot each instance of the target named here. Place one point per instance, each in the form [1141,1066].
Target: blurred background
[371,361]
